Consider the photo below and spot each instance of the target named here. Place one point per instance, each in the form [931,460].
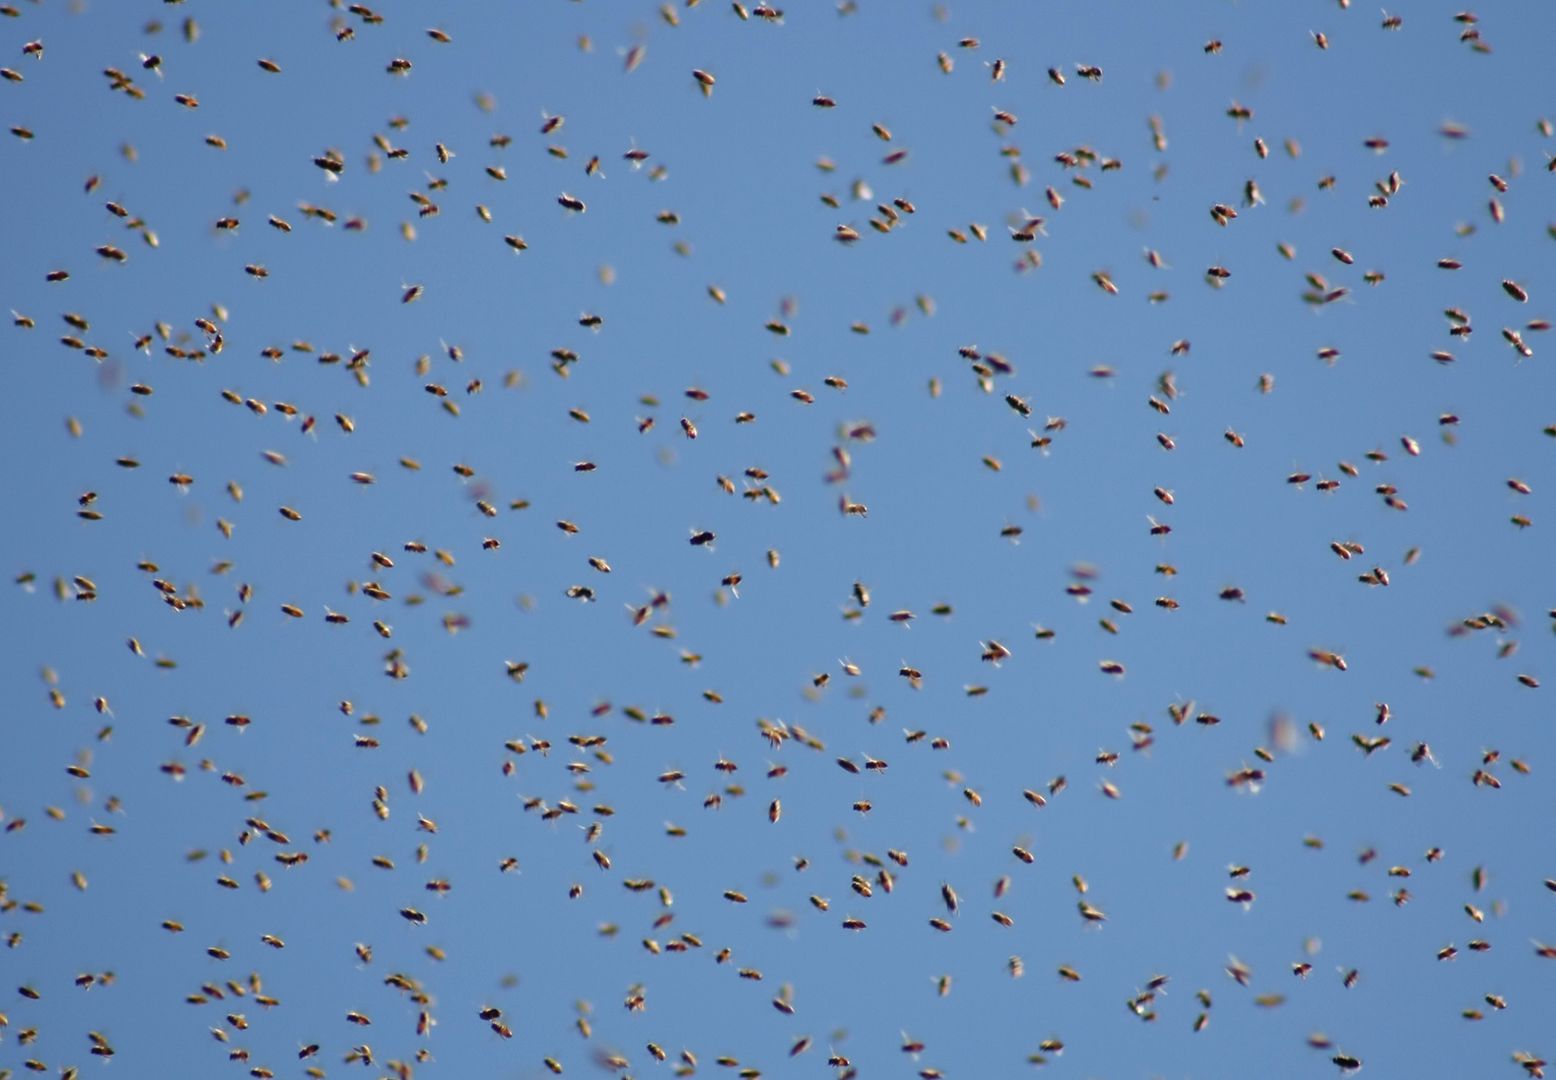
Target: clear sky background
[729,195]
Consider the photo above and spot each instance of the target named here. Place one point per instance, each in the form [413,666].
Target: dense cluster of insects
[525,582]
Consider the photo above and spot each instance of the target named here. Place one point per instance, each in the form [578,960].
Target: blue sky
[738,207]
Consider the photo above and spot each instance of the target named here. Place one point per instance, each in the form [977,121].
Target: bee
[1327,659]
[1515,290]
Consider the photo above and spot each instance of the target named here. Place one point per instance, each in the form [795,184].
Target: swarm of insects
[537,716]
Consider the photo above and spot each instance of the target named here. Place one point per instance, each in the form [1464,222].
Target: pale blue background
[742,176]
